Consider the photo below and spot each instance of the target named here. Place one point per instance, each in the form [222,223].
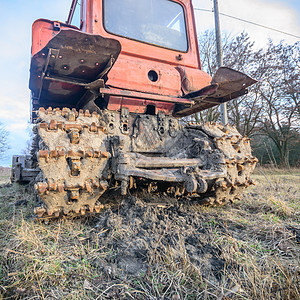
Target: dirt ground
[151,247]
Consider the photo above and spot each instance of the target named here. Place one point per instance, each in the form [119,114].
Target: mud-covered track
[238,158]
[71,156]
[80,155]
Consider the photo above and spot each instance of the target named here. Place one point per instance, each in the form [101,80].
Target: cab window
[158,22]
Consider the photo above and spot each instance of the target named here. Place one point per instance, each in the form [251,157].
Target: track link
[71,156]
[239,162]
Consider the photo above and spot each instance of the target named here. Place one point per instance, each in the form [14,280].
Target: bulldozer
[110,104]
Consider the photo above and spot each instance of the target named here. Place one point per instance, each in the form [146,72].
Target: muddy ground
[150,247]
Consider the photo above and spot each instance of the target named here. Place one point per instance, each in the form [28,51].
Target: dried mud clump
[143,234]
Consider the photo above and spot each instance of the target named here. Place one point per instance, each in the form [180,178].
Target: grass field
[248,250]
[4,175]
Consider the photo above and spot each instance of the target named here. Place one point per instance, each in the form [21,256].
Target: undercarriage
[78,156]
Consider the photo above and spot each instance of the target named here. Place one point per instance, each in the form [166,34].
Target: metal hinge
[56,26]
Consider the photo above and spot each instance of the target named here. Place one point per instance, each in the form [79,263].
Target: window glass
[76,16]
[159,22]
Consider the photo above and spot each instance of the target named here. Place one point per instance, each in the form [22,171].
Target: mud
[141,234]
[150,246]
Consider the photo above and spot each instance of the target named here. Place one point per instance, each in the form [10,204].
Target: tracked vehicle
[107,103]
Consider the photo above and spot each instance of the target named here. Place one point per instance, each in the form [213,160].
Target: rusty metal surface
[21,170]
[230,81]
[71,61]
[206,91]
[139,95]
[227,84]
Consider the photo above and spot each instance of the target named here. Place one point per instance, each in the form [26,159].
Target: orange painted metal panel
[152,52]
[139,105]
[43,31]
[177,72]
[150,56]
[132,73]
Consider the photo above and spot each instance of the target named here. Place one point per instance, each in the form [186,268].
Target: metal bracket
[110,120]
[108,66]
[56,26]
[50,63]
[161,120]
[124,127]
[173,127]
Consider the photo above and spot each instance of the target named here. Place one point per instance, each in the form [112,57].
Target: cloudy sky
[18,15]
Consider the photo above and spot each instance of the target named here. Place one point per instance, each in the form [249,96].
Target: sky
[17,17]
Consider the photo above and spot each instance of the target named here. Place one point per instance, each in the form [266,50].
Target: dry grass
[4,175]
[249,250]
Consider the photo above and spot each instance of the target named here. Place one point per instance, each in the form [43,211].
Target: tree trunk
[284,155]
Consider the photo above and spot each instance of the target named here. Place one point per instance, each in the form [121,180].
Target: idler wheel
[202,186]
[191,185]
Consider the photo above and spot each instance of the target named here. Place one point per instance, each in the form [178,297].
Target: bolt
[179,57]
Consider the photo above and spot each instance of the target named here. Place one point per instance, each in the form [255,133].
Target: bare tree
[28,147]
[280,90]
[238,54]
[3,140]
[245,111]
[271,109]
[208,55]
